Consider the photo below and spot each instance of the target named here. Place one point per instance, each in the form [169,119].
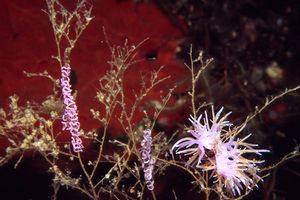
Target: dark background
[255,45]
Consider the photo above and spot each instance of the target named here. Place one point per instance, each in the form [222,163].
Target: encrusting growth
[70,116]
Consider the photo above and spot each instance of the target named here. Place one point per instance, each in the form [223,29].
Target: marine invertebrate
[224,153]
[233,170]
[205,136]
[70,116]
[148,161]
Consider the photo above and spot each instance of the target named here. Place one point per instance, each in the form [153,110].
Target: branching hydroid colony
[211,151]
